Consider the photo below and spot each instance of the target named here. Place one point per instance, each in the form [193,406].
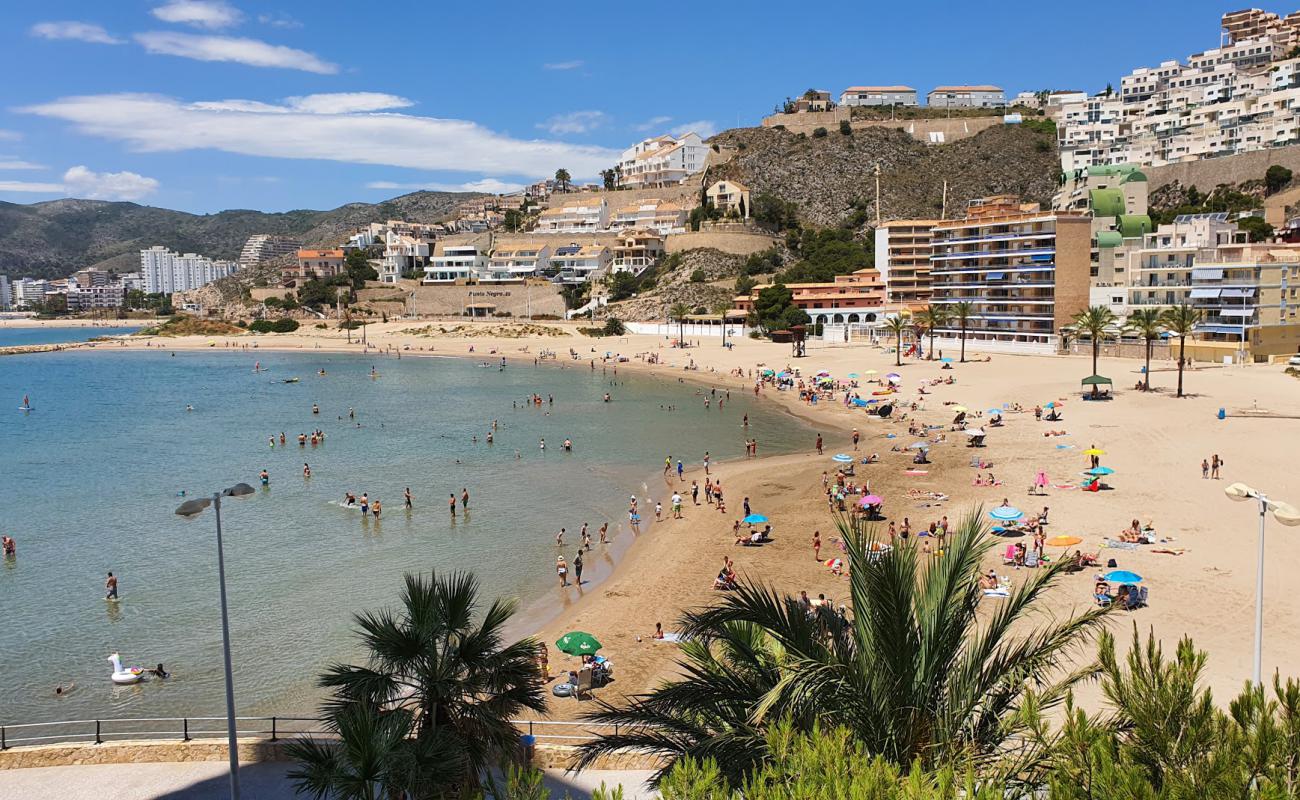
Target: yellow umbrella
[1093,451]
[868,372]
[959,409]
[1063,541]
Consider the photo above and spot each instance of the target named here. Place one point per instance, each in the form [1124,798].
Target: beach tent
[1096,382]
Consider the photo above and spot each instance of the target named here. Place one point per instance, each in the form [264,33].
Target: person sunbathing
[989,581]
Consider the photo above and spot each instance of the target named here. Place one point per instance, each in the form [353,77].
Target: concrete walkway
[207,780]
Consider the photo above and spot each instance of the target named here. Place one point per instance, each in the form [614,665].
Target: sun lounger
[1031,558]
[1001,591]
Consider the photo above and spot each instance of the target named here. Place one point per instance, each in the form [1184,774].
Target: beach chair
[1009,557]
[584,684]
[1031,558]
[1137,597]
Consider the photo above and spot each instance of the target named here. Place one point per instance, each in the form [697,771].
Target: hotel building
[903,258]
[166,272]
[266,247]
[858,297]
[662,161]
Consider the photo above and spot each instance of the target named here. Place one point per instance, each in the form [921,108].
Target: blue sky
[203,105]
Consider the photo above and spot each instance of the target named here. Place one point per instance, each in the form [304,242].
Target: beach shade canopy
[1098,471]
[1094,451]
[577,643]
[871,500]
[892,375]
[769,372]
[1063,541]
[919,446]
[868,372]
[1122,576]
[843,458]
[859,402]
[1006,513]
[994,411]
[974,432]
[755,519]
[1096,380]
[946,360]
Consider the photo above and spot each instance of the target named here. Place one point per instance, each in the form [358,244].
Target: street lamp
[189,510]
[1284,513]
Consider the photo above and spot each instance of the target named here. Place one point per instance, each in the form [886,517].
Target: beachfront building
[575,216]
[315,264]
[575,264]
[980,96]
[267,247]
[731,198]
[1247,298]
[6,294]
[1024,271]
[166,272]
[636,251]
[650,214]
[29,291]
[515,262]
[662,161]
[903,258]
[457,264]
[856,298]
[878,96]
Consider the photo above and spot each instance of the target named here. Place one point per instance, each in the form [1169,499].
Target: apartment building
[586,215]
[1024,271]
[662,161]
[575,264]
[982,96]
[6,294]
[636,251]
[29,291]
[166,272]
[456,264]
[403,254]
[878,96]
[1248,301]
[318,264]
[266,247]
[95,296]
[515,262]
[731,198]
[858,297]
[651,214]
[903,259]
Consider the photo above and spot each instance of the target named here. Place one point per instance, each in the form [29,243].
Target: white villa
[728,196]
[575,263]
[579,216]
[653,214]
[516,262]
[456,263]
[635,251]
[662,161]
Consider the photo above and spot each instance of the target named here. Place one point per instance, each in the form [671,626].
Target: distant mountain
[54,238]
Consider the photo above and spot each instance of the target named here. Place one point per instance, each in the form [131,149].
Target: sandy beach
[1154,442]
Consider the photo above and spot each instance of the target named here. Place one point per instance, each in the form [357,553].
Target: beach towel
[1001,591]
[916,472]
[669,637]
[1168,552]
[1116,544]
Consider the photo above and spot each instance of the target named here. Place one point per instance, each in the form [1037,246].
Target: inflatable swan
[124,675]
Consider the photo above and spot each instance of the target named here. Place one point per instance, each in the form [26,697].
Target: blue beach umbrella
[859,402]
[919,446]
[754,519]
[853,375]
[1099,471]
[843,458]
[1122,576]
[1006,513]
[994,411]
[946,360]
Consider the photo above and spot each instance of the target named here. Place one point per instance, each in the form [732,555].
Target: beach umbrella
[1049,405]
[1097,471]
[871,500]
[946,360]
[1006,513]
[1063,541]
[895,379]
[823,374]
[859,402]
[994,411]
[769,372]
[1122,576]
[892,375]
[959,409]
[853,375]
[577,643]
[843,458]
[754,519]
[974,432]
[1093,451]
[919,446]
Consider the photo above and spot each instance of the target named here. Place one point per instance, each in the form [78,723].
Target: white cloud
[574,122]
[210,14]
[253,52]
[80,181]
[653,123]
[562,65]
[10,136]
[151,123]
[9,162]
[347,102]
[278,19]
[490,185]
[74,31]
[704,127]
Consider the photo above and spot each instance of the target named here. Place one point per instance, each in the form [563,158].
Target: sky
[204,105]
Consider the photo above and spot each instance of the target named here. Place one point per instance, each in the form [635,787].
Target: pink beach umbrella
[1040,479]
[871,500]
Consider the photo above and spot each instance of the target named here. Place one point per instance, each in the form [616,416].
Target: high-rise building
[903,258]
[6,294]
[265,247]
[166,272]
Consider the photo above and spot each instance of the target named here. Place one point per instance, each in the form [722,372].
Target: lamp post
[1284,513]
[190,509]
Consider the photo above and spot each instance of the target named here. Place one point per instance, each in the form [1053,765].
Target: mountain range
[54,238]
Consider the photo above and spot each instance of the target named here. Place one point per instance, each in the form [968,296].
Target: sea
[10,337]
[115,441]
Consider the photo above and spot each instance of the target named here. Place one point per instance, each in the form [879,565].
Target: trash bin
[1222,414]
[528,744]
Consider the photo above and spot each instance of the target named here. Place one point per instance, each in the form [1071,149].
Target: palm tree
[1181,321]
[454,679]
[933,317]
[679,312]
[563,178]
[896,325]
[1145,322]
[1096,321]
[912,673]
[962,311]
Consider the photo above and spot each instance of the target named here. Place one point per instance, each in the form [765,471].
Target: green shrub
[284,325]
[819,133]
[698,276]
[614,327]
[846,128]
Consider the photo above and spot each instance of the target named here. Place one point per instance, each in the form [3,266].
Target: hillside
[53,238]
[826,176]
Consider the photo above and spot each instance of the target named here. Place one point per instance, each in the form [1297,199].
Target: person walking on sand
[1205,468]
[819,444]
[856,437]
[451,504]
[817,545]
[1215,463]
[677,506]
[695,492]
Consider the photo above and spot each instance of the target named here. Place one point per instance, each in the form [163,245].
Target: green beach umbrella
[577,643]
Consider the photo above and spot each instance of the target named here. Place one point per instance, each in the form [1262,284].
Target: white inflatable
[124,675]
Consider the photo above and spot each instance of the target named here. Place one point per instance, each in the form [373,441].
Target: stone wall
[735,242]
[920,129]
[1210,172]
[515,298]
[809,119]
[687,194]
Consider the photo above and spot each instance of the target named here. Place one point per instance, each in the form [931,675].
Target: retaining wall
[740,243]
[1210,172]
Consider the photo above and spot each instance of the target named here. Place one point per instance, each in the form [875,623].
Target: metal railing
[273,728]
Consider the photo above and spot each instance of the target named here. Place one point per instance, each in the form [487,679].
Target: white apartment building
[105,295]
[515,262]
[29,291]
[402,254]
[166,272]
[456,264]
[878,96]
[576,264]
[575,216]
[981,96]
[265,247]
[651,214]
[6,294]
[662,161]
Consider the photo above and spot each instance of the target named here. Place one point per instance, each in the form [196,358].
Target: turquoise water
[92,475]
[10,337]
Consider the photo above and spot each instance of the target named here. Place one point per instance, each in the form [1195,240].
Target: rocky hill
[831,177]
[672,284]
[52,239]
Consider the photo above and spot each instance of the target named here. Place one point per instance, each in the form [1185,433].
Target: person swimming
[349,499]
